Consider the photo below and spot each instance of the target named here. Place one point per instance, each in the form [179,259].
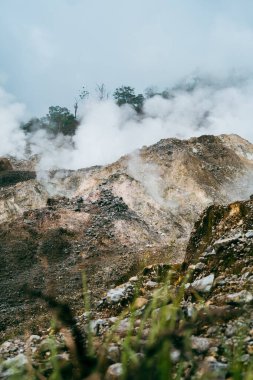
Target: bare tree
[150,92]
[75,107]
[102,94]
[83,94]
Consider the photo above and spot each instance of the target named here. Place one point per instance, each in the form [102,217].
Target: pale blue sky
[50,48]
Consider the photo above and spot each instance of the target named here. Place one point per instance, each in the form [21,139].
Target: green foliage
[150,92]
[58,120]
[170,332]
[126,95]
[34,125]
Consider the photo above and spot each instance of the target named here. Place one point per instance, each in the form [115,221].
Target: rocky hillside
[108,222]
[193,319]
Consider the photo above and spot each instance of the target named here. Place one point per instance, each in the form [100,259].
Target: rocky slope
[207,328]
[108,222]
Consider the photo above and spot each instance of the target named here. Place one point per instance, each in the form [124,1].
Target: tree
[60,120]
[126,95]
[150,92]
[84,94]
[102,94]
[33,125]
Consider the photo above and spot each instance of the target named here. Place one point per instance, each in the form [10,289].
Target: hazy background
[50,48]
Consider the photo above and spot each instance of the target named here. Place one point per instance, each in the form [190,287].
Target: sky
[49,49]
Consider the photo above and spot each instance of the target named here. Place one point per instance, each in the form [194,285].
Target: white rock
[243,296]
[114,372]
[211,253]
[13,366]
[245,275]
[175,356]
[133,279]
[204,284]
[6,344]
[33,339]
[249,234]
[190,310]
[119,293]
[151,284]
[200,344]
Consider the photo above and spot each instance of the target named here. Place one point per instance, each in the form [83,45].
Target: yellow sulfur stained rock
[140,302]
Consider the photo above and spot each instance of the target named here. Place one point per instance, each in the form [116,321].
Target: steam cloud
[150,176]
[107,131]
[12,139]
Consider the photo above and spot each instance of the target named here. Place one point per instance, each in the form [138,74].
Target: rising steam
[107,131]
[12,139]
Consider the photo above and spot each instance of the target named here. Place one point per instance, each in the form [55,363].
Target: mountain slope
[110,221]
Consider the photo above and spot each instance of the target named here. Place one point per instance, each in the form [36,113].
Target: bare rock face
[5,164]
[110,221]
[15,200]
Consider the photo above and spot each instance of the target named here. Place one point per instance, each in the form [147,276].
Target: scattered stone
[175,356]
[241,297]
[249,234]
[119,294]
[113,353]
[114,372]
[164,312]
[200,266]
[98,326]
[230,331]
[245,358]
[140,302]
[13,367]
[151,284]
[200,344]
[112,320]
[215,367]
[123,327]
[189,308]
[222,243]
[204,284]
[133,279]
[33,339]
[212,331]
[209,253]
